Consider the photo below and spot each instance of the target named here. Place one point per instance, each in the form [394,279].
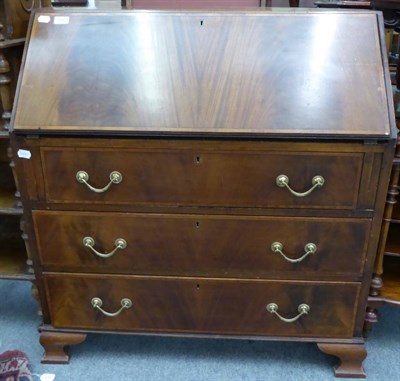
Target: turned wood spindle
[5,90]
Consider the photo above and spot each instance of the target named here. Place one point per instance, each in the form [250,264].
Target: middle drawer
[201,245]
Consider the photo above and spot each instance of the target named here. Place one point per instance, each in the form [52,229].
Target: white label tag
[44,19]
[24,154]
[61,20]
[47,377]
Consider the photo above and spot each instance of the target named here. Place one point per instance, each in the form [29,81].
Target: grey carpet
[118,357]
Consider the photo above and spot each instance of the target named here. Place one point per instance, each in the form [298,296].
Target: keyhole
[197,224]
[201,23]
[198,159]
[198,287]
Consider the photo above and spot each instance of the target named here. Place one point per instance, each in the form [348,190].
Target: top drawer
[201,177]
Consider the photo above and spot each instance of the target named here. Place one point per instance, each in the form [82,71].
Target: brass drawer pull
[310,248]
[303,309]
[125,304]
[82,177]
[120,244]
[283,181]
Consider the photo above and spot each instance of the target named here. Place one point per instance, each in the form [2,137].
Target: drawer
[200,245]
[201,305]
[185,177]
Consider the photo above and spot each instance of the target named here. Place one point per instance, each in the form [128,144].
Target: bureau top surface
[197,73]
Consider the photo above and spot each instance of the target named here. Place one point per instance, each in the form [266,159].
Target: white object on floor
[45,376]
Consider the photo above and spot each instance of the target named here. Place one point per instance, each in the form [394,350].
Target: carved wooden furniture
[385,286]
[185,177]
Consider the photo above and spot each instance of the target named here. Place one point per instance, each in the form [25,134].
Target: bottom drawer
[198,305]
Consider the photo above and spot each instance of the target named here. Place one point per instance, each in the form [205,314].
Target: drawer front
[202,178]
[201,305]
[200,245]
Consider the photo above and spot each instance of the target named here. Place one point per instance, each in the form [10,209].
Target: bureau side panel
[380,198]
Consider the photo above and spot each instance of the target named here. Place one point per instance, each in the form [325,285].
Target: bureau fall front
[210,174]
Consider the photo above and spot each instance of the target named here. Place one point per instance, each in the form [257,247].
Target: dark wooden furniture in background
[193,170]
[385,286]
[14,18]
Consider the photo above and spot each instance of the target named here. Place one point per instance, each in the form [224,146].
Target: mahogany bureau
[209,174]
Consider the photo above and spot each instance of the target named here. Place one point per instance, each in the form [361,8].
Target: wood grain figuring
[202,305]
[223,246]
[201,73]
[201,177]
[201,111]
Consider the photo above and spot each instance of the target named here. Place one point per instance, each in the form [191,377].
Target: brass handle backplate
[125,304]
[83,178]
[119,243]
[309,248]
[283,182]
[303,309]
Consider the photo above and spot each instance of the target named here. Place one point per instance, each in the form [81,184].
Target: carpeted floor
[120,358]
